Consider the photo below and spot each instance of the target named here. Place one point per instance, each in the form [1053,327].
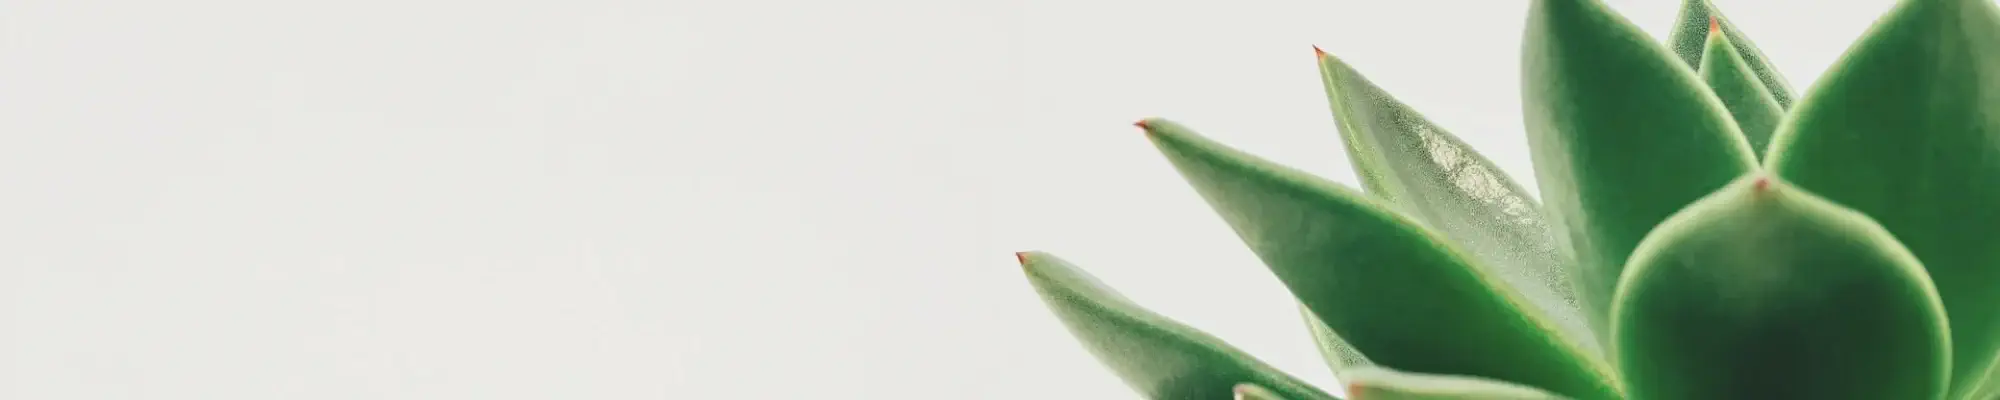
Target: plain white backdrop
[626,199]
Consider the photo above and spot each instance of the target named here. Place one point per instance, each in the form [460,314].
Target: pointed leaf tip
[1690,36]
[1021,257]
[1285,216]
[1146,124]
[1317,52]
[1907,108]
[1425,170]
[1703,295]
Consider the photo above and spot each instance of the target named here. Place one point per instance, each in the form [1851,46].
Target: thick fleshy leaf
[1622,135]
[1159,357]
[1690,37]
[1904,128]
[1436,179]
[1339,355]
[1764,291]
[1385,283]
[1757,114]
[1387,384]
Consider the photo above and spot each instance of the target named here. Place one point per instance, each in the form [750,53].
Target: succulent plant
[1698,232]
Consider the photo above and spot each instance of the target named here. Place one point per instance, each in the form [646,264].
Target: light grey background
[600,199]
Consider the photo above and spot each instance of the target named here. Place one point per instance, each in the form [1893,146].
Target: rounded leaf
[1622,135]
[1763,291]
[1904,128]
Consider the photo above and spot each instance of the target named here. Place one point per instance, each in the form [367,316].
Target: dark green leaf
[1159,357]
[1622,135]
[1904,128]
[1435,178]
[1755,111]
[1385,283]
[1386,384]
[1764,291]
[1689,40]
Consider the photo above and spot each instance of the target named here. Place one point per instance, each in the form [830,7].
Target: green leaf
[1386,284]
[1903,128]
[1157,356]
[1987,388]
[1436,179]
[1339,355]
[1755,111]
[1689,40]
[1622,136]
[1765,291]
[1387,384]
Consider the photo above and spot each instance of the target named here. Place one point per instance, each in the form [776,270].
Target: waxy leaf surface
[1388,286]
[1436,179]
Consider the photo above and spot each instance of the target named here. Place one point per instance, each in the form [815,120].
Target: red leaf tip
[1714,25]
[1021,257]
[1318,53]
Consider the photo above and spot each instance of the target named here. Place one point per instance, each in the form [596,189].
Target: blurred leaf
[1903,128]
[1988,388]
[1622,135]
[1387,285]
[1438,180]
[1757,114]
[1689,40]
[1386,384]
[1157,356]
[1764,291]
